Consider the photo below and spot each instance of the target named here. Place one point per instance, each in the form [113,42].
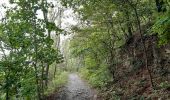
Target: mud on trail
[75,89]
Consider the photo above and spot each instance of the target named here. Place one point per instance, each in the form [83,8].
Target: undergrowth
[59,81]
[97,78]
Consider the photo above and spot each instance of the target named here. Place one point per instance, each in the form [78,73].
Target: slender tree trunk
[128,25]
[42,79]
[49,36]
[160,5]
[47,70]
[16,90]
[55,70]
[7,94]
[37,82]
[36,72]
[144,46]
[7,88]
[48,66]
[58,48]
[36,61]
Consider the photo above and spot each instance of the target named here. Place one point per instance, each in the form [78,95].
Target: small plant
[165,85]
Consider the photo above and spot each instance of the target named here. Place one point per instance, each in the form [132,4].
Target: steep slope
[132,80]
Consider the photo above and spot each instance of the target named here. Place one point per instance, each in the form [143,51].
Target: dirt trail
[75,89]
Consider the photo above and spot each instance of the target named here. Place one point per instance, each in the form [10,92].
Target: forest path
[76,89]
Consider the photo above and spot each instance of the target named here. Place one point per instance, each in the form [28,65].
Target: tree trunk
[144,46]
[128,25]
[35,63]
[42,79]
[37,82]
[48,66]
[7,88]
[160,5]
[46,73]
[55,70]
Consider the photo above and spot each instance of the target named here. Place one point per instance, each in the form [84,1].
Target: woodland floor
[75,89]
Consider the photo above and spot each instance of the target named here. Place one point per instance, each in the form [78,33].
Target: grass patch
[59,81]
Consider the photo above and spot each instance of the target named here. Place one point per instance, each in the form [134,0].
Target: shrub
[97,78]
[59,81]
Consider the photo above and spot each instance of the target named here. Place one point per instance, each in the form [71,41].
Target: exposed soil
[75,89]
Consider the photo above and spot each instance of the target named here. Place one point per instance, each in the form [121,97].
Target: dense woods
[121,47]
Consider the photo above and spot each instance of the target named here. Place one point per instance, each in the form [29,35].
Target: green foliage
[97,78]
[59,81]
[27,47]
[165,85]
[109,25]
[28,86]
[162,28]
[27,50]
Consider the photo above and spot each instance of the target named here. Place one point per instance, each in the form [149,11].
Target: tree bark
[143,43]
[36,60]
[7,88]
[47,70]
[42,79]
